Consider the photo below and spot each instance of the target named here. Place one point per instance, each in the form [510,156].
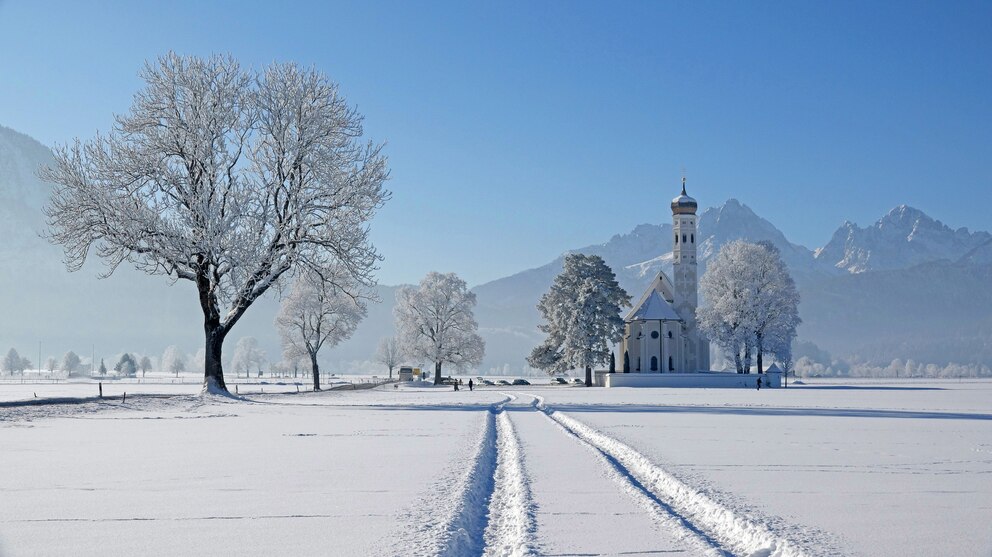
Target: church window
[671,364]
[676,237]
[683,238]
[654,363]
[669,334]
[654,334]
[692,238]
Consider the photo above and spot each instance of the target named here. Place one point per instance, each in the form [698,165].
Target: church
[660,332]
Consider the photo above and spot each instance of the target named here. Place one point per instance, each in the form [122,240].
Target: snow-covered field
[870,468]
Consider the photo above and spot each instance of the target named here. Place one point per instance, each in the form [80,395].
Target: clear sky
[517,130]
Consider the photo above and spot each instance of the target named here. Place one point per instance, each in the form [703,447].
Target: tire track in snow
[511,510]
[489,513]
[710,522]
[464,534]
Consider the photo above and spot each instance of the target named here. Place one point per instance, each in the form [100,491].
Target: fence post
[100,386]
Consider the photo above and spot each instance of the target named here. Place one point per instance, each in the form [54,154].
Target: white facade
[660,333]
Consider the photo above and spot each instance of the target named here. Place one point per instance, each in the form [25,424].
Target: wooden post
[124,398]
[100,386]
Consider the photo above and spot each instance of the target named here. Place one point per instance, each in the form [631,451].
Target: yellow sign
[416,371]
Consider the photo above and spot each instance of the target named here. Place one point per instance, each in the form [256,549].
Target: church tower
[695,350]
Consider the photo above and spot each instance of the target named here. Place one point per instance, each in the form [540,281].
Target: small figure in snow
[759,383]
[470,385]
[456,385]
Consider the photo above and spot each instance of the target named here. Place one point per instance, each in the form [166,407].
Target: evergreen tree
[582,317]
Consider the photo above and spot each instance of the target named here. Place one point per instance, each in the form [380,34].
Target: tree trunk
[213,370]
[760,349]
[315,370]
[437,373]
[588,376]
[390,373]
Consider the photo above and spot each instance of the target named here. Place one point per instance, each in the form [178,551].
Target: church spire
[683,185]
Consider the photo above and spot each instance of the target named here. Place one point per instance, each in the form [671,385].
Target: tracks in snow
[489,510]
[492,514]
[714,527]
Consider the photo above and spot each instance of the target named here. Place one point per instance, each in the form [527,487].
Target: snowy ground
[821,469]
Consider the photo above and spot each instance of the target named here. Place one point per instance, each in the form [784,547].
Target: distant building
[660,333]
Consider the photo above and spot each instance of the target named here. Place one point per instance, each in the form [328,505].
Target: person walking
[759,383]
[470,385]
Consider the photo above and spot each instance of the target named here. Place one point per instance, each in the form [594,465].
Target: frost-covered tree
[389,353]
[198,359]
[225,177]
[103,367]
[50,364]
[776,304]
[70,362]
[145,365]
[248,356]
[318,314]
[126,366]
[173,360]
[752,303]
[436,323]
[581,315]
[12,362]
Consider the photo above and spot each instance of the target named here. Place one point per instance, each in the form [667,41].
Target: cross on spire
[683,185]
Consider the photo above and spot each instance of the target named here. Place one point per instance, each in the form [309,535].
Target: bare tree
[389,353]
[227,178]
[317,314]
[752,303]
[248,356]
[12,362]
[436,323]
[50,364]
[173,360]
[145,365]
[70,362]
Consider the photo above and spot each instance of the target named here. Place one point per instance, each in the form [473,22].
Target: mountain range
[906,286]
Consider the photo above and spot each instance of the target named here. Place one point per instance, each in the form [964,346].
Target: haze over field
[905,287]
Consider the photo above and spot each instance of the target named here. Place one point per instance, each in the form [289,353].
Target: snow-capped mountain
[902,238]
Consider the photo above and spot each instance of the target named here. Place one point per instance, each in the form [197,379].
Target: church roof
[653,308]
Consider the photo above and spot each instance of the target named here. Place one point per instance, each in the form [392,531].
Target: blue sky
[517,130]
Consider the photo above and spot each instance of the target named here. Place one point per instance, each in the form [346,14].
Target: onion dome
[683,204]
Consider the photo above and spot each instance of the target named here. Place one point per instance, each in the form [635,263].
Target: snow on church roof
[653,308]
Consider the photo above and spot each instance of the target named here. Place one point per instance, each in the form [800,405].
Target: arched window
[671,364]
[676,238]
[654,363]
[692,238]
[683,238]
[669,334]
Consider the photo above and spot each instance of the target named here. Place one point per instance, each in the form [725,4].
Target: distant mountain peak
[904,237]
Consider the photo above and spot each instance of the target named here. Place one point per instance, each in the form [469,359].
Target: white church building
[662,345]
[660,332]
